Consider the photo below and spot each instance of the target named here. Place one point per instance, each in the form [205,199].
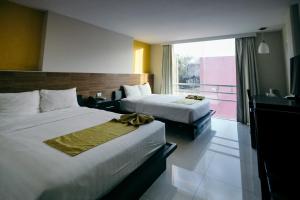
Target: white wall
[75,46]
[271,67]
[156,66]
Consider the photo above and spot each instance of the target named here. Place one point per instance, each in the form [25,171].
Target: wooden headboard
[87,84]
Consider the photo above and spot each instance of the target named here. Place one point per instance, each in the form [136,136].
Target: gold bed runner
[83,140]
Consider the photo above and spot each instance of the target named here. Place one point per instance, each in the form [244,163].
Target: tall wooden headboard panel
[87,84]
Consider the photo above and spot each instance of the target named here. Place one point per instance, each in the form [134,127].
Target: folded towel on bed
[196,97]
[135,119]
[83,140]
[190,99]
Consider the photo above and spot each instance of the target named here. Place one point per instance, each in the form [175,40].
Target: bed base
[142,178]
[194,129]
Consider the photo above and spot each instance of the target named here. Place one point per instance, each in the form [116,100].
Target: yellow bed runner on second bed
[186,101]
[83,140]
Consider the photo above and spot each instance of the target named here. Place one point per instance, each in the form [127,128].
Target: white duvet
[30,169]
[163,106]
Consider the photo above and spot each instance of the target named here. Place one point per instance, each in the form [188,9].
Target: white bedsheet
[30,169]
[163,106]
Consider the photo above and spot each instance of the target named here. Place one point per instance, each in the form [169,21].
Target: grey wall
[271,67]
[289,41]
[295,26]
[288,47]
[75,46]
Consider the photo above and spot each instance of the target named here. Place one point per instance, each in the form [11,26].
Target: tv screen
[295,75]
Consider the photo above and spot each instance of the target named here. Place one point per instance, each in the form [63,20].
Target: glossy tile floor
[218,165]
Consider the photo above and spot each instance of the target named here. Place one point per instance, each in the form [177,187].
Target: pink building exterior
[220,71]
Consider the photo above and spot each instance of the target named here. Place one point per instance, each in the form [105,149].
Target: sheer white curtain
[167,75]
[247,75]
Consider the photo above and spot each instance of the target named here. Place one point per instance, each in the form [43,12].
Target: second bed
[195,117]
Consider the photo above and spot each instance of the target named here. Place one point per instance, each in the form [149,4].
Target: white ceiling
[156,21]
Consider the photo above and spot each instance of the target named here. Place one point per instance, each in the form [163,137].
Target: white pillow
[145,89]
[20,103]
[132,91]
[57,99]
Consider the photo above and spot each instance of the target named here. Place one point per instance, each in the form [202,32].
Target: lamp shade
[263,48]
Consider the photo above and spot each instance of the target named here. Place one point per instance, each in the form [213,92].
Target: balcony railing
[222,97]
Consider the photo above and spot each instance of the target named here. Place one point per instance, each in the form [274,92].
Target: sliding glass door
[208,68]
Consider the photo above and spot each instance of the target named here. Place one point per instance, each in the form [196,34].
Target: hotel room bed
[31,169]
[163,106]
[191,119]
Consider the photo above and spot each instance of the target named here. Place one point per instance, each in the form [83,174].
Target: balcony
[222,97]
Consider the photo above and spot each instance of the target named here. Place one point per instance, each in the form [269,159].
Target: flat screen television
[295,76]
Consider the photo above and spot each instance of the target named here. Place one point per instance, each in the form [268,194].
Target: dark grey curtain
[247,77]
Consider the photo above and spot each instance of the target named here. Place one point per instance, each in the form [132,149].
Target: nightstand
[109,105]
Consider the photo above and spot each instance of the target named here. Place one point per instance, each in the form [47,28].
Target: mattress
[30,169]
[163,106]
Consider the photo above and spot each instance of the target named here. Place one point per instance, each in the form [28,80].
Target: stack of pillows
[137,90]
[37,101]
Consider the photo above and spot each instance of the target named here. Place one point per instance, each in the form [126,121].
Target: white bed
[163,106]
[30,169]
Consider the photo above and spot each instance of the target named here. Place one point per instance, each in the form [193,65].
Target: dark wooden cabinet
[113,106]
[252,124]
[277,127]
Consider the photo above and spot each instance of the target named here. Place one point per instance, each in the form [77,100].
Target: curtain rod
[211,38]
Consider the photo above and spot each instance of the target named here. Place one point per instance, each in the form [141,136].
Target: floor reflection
[219,164]
[185,180]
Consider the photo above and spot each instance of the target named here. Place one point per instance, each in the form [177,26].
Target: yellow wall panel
[141,57]
[20,37]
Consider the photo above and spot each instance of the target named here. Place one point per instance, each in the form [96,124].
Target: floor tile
[243,134]
[225,142]
[185,180]
[144,197]
[250,179]
[247,153]
[175,183]
[211,189]
[219,164]
[226,168]
[204,162]
[225,150]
